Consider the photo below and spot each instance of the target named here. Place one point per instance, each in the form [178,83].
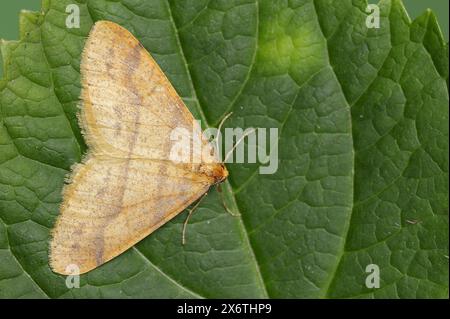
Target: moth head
[217,171]
[220,173]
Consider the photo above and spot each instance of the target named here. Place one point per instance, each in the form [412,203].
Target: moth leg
[224,204]
[191,211]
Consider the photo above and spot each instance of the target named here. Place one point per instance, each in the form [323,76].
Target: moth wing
[128,103]
[111,204]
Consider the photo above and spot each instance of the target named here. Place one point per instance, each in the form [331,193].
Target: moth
[127,184]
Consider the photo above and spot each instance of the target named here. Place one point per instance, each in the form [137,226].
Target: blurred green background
[9,14]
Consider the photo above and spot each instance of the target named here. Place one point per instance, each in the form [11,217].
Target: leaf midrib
[228,190]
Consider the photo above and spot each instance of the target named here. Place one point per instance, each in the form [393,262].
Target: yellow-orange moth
[127,185]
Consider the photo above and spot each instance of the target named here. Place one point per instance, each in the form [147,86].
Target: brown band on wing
[135,59]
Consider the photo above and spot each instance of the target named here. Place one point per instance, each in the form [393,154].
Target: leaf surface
[363,150]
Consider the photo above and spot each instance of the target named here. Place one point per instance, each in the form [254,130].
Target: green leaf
[363,150]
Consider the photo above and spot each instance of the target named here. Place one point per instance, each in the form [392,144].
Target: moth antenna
[216,139]
[191,211]
[237,143]
[224,204]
